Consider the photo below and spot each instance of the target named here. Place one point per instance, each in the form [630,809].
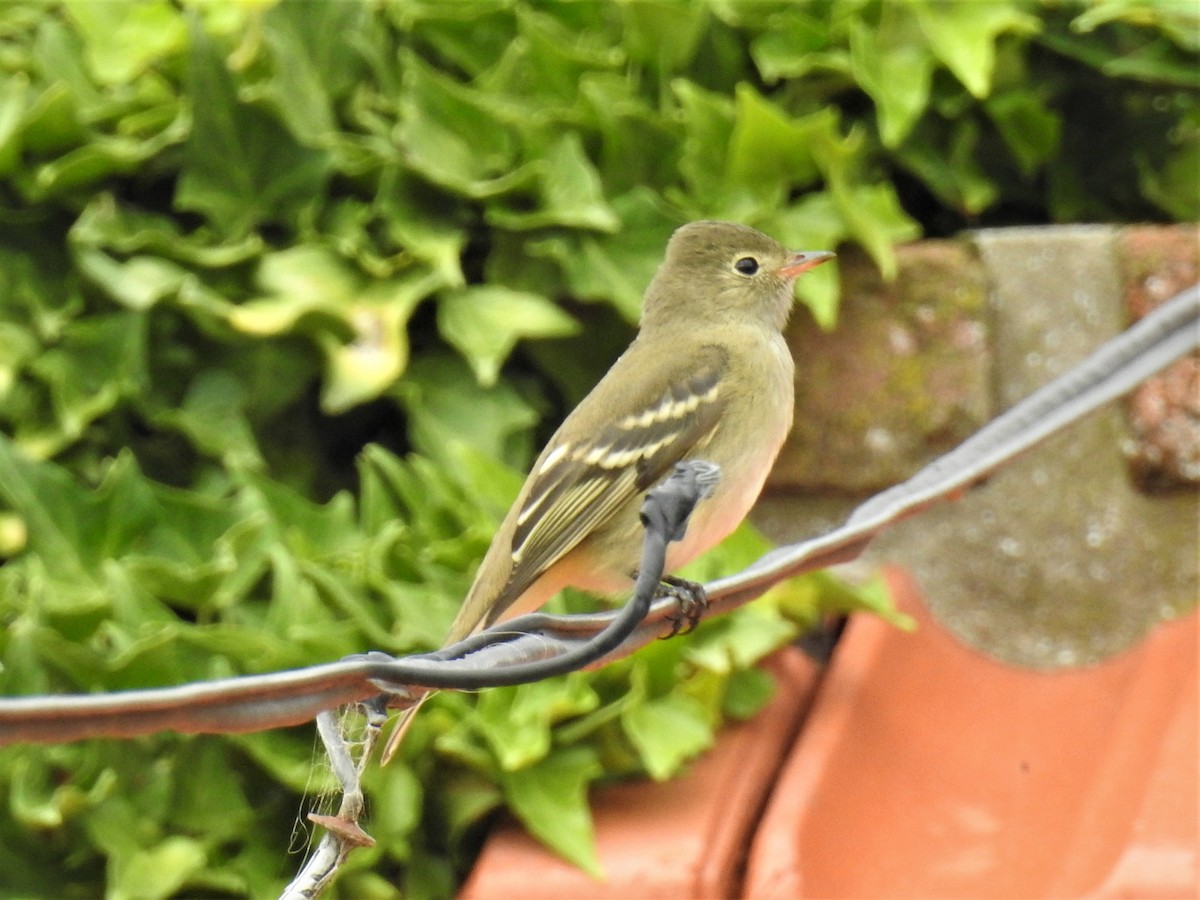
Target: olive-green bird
[708,376]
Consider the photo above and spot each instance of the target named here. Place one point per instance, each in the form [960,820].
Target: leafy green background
[290,291]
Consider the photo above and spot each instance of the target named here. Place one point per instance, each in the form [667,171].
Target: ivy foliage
[290,292]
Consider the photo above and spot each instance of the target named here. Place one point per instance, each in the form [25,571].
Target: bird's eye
[747,265]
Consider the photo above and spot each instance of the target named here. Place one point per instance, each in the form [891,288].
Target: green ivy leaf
[1170,186]
[422,229]
[613,269]
[486,322]
[568,193]
[13,100]
[796,42]
[964,36]
[892,63]
[707,119]
[771,151]
[76,528]
[1180,21]
[104,157]
[447,404]
[99,361]
[539,70]
[952,169]
[1031,130]
[137,283]
[739,641]
[451,134]
[665,38]
[213,416]
[117,229]
[516,722]
[837,595]
[315,63]
[242,167]
[158,871]
[123,40]
[550,799]
[360,327]
[747,692]
[300,281]
[377,354]
[667,731]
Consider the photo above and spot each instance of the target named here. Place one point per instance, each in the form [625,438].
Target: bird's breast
[745,444]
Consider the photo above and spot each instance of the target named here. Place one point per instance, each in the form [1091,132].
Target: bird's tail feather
[403,723]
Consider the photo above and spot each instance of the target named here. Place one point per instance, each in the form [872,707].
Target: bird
[707,377]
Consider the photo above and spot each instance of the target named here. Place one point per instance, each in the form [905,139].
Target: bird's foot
[692,601]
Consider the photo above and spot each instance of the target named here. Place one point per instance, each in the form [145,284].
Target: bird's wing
[577,486]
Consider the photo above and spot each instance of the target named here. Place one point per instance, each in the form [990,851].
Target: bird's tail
[474,615]
[403,723]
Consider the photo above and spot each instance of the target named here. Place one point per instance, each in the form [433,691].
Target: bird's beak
[803,261]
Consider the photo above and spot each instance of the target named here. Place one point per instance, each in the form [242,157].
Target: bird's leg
[692,602]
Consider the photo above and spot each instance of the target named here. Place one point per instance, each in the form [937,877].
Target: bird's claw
[691,600]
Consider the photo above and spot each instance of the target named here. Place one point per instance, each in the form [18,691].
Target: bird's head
[726,271]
